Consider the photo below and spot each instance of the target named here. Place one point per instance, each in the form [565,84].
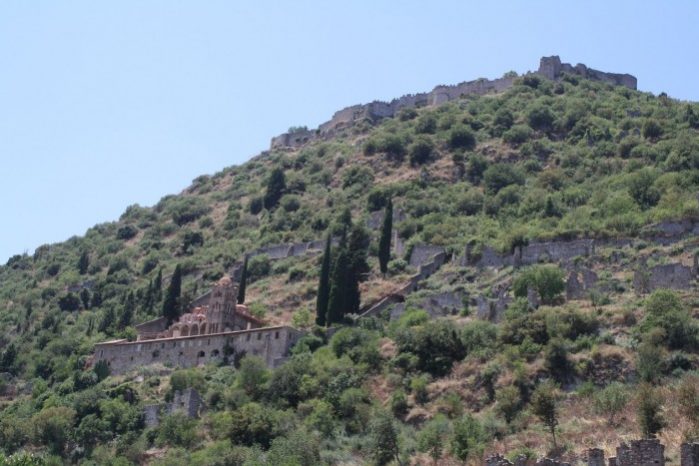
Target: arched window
[184,331]
[201,354]
[215,353]
[195,330]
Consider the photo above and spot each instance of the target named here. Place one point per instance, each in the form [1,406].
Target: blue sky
[107,104]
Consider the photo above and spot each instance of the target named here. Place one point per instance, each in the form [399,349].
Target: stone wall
[423,254]
[552,68]
[580,282]
[647,452]
[549,67]
[153,326]
[187,402]
[533,253]
[270,343]
[672,276]
[689,454]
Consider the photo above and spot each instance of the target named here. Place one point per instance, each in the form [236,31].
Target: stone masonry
[689,454]
[549,67]
[188,402]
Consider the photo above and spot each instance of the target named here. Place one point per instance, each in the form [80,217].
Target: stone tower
[221,304]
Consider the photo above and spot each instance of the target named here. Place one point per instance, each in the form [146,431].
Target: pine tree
[276,185]
[83,262]
[324,285]
[243,282]
[385,240]
[544,407]
[172,296]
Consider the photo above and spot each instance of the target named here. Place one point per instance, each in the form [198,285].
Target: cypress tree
[276,185]
[338,303]
[243,282]
[83,262]
[385,240]
[324,285]
[172,296]
[158,286]
[358,245]
[127,311]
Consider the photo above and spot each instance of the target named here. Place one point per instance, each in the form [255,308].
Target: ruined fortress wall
[269,343]
[549,67]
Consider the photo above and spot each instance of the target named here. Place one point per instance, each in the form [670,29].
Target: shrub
[479,335]
[516,135]
[665,310]
[426,124]
[187,209]
[421,150]
[259,266]
[436,344]
[652,129]
[126,232]
[256,205]
[642,189]
[539,116]
[499,175]
[611,400]
[477,164]
[462,137]
[290,202]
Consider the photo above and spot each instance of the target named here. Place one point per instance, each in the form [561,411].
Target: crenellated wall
[549,67]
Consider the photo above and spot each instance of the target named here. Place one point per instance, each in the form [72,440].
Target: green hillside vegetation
[543,160]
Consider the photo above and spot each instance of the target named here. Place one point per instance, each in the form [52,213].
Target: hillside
[564,209]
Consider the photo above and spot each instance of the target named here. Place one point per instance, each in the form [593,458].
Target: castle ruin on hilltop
[216,328]
[549,67]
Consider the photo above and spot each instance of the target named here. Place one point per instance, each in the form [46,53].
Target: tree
[243,281]
[431,437]
[252,376]
[508,402]
[127,311]
[547,280]
[276,185]
[83,262]
[171,304]
[385,240]
[323,297]
[544,400]
[466,436]
[499,175]
[611,401]
[649,361]
[649,414]
[158,286]
[338,302]
[383,440]
[665,310]
[357,247]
